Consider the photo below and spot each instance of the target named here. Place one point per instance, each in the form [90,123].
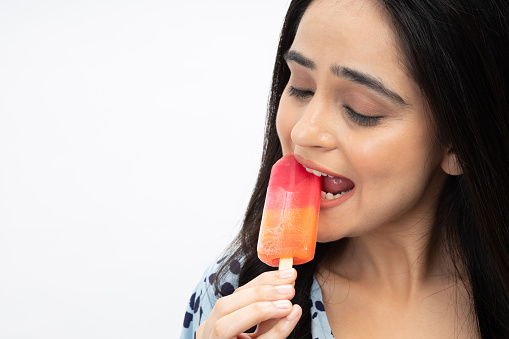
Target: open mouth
[332,187]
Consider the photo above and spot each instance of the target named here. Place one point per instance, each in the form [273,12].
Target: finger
[243,319]
[283,277]
[265,326]
[284,326]
[236,301]
[200,331]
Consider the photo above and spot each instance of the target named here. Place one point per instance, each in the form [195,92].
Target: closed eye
[362,120]
[359,119]
[301,94]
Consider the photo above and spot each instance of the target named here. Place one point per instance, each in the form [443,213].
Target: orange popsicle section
[290,216]
[290,236]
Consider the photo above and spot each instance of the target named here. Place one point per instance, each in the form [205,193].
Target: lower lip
[324,203]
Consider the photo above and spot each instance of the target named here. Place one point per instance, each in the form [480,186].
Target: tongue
[336,185]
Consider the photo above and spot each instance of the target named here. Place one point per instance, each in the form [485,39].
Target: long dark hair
[458,53]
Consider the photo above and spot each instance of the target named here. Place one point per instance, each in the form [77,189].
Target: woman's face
[350,110]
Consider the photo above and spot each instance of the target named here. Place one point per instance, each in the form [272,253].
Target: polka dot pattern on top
[204,297]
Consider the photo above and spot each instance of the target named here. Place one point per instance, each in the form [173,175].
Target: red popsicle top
[291,186]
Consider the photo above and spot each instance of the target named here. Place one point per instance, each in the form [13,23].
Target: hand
[264,301]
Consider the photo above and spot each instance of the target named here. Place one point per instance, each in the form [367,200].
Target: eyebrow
[349,74]
[300,59]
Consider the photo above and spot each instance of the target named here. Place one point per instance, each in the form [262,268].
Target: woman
[406,102]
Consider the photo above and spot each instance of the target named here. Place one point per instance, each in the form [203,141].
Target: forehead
[343,28]
[357,34]
[352,33]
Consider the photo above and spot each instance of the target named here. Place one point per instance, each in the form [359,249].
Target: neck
[393,259]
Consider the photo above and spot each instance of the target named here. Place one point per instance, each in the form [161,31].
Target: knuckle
[267,278]
[218,329]
[280,332]
[259,307]
[220,306]
[275,332]
[260,292]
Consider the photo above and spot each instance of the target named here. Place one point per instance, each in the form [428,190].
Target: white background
[130,138]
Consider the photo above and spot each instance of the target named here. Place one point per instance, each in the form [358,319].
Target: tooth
[329,196]
[317,173]
[330,176]
[323,194]
[337,195]
[345,192]
[309,170]
[324,175]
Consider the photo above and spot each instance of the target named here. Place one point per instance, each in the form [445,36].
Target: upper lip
[311,165]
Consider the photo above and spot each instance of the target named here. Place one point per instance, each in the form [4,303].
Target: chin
[325,237]
[329,234]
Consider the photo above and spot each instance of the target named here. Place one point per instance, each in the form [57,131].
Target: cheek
[374,158]
[400,162]
[285,121]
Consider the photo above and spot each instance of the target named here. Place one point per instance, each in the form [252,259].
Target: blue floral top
[204,297]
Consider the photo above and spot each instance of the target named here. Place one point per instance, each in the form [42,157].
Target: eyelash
[299,93]
[359,119]
[362,120]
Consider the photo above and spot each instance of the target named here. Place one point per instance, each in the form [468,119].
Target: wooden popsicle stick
[285,263]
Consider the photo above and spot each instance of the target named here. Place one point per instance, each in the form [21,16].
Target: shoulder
[206,294]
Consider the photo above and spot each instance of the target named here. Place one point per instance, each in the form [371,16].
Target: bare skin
[409,301]
[385,283]
[263,302]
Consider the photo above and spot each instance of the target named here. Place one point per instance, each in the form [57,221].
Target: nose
[313,129]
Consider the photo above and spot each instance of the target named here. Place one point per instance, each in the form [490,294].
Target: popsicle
[290,215]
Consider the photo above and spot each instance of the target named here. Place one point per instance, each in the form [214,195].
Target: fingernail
[293,314]
[284,289]
[286,273]
[282,303]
